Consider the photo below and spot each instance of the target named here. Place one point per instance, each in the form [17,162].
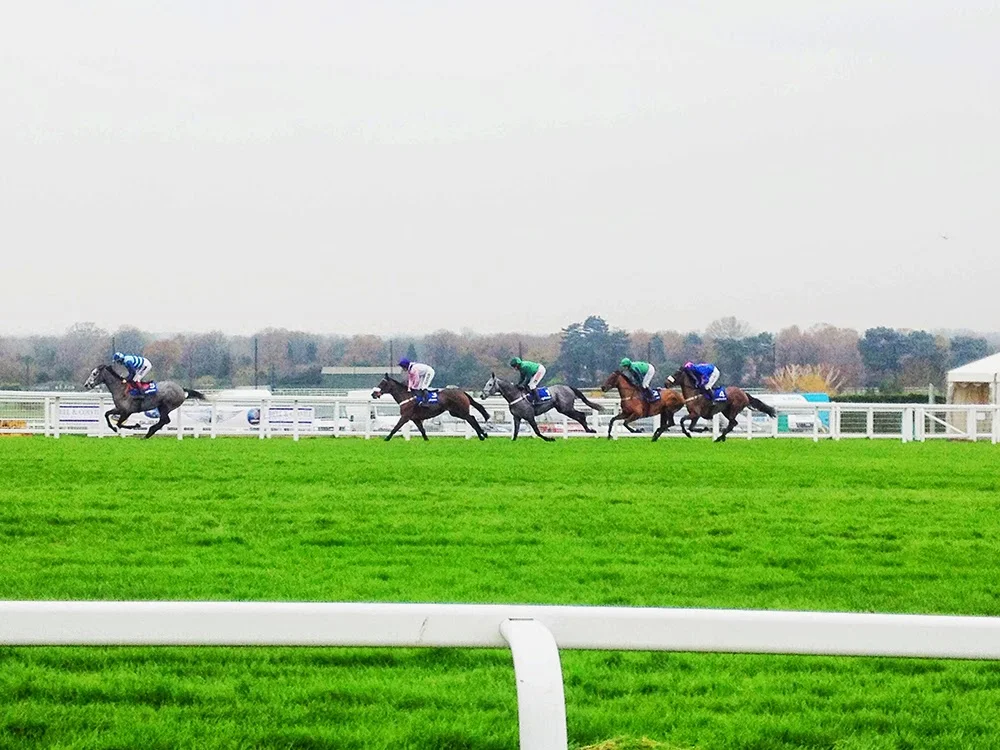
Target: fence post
[995,425]
[47,421]
[55,423]
[368,419]
[815,424]
[870,423]
[972,424]
[336,418]
[265,406]
[180,422]
[295,420]
[565,427]
[213,420]
[541,702]
[715,425]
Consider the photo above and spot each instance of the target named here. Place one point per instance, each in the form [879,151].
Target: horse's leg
[480,432]
[534,426]
[611,424]
[663,426]
[630,428]
[729,428]
[688,421]
[164,420]
[403,419]
[579,416]
[517,426]
[420,426]
[107,418]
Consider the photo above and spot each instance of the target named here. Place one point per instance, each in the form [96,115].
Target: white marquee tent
[976,382]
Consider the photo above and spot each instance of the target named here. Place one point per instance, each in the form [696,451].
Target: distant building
[350,378]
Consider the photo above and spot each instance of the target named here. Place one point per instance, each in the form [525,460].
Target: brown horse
[700,407]
[452,400]
[634,406]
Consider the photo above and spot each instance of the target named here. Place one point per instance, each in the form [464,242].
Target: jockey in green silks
[640,374]
[531,375]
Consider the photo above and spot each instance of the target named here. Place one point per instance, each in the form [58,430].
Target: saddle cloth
[719,394]
[149,390]
[652,395]
[432,398]
[541,395]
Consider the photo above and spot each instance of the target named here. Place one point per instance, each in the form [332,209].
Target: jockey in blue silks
[138,367]
[705,376]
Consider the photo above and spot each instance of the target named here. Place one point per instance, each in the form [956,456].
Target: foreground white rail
[533,633]
[58,414]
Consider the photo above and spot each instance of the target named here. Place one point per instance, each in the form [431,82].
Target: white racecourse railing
[60,413]
[533,633]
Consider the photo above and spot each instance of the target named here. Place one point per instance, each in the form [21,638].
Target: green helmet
[626,362]
[515,362]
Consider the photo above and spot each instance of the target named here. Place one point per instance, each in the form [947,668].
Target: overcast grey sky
[402,166]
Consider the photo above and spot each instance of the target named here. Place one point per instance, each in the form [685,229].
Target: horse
[452,400]
[634,406]
[562,399]
[700,407]
[169,395]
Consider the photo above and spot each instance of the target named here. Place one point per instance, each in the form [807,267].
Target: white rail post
[565,427]
[835,421]
[336,418]
[180,422]
[213,420]
[541,702]
[815,424]
[774,423]
[870,423]
[749,425]
[907,426]
[55,423]
[972,424]
[995,425]
[261,420]
[368,419]
[715,425]
[295,420]
[47,420]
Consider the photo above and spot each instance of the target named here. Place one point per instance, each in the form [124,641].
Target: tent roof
[984,370]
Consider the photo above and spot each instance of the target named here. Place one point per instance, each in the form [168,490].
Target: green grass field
[851,526]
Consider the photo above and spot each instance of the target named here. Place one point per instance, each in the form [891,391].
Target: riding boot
[707,394]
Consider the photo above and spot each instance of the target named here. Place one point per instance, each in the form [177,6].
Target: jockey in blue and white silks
[705,375]
[138,367]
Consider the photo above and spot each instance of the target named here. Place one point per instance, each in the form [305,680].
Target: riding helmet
[626,362]
[404,363]
[515,362]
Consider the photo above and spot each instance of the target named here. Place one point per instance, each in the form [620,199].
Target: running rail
[534,634]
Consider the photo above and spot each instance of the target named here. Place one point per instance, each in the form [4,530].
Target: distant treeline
[582,353]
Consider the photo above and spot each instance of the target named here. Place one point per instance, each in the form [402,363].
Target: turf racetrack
[851,526]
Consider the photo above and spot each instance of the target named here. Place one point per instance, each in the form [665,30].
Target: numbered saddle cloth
[429,400]
[541,395]
[719,394]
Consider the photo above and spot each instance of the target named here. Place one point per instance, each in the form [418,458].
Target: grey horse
[563,397]
[169,395]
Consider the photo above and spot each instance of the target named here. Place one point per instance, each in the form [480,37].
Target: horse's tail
[192,393]
[479,406]
[579,394]
[758,405]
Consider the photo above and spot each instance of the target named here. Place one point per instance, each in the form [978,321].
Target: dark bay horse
[634,406]
[700,407]
[562,400]
[452,400]
[169,395]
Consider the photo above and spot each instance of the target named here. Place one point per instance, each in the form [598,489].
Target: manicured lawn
[851,526]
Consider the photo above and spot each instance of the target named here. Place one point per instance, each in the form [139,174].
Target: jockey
[138,367]
[640,374]
[531,375]
[705,376]
[418,377]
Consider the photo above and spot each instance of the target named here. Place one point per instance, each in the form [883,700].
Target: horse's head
[492,386]
[383,385]
[678,378]
[611,382]
[94,379]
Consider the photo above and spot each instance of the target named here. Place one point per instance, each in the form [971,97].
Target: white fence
[533,633]
[58,414]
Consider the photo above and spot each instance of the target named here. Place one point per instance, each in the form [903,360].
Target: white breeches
[648,377]
[141,371]
[713,378]
[536,378]
[424,379]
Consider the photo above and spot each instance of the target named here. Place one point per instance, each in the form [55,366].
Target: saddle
[719,395]
[429,400]
[137,390]
[651,395]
